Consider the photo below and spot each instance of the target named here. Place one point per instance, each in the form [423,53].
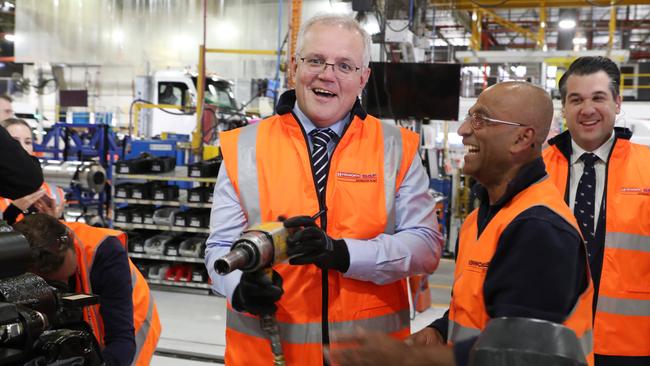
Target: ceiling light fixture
[567,23]
[580,41]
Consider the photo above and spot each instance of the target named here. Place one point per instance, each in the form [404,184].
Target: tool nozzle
[238,258]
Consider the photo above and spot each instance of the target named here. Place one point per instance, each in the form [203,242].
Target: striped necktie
[319,159]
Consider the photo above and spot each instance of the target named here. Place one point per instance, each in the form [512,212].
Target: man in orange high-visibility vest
[322,152]
[93,260]
[520,253]
[616,217]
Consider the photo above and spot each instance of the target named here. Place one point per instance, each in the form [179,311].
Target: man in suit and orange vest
[606,181]
[322,152]
[93,260]
[520,253]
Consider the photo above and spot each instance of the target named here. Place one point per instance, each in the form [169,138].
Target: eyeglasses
[478,121]
[317,65]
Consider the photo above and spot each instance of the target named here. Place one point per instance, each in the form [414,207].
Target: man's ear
[525,140]
[365,75]
[293,66]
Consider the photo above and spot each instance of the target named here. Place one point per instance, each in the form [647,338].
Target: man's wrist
[341,255]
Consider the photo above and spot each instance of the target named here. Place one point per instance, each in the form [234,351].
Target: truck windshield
[219,92]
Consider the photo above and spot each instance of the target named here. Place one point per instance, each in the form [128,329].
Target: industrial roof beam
[475,41]
[505,4]
[508,24]
[612,26]
[541,32]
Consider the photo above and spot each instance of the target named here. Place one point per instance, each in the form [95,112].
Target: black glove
[257,293]
[308,244]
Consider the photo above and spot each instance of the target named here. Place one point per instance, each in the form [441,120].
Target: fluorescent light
[118,35]
[567,23]
[10,37]
[579,41]
[371,25]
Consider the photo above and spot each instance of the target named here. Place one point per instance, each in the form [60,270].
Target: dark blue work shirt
[539,267]
[110,278]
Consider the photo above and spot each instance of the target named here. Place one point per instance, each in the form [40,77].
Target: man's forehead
[320,30]
[588,83]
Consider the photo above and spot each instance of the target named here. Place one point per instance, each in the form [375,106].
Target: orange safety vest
[145,314]
[55,192]
[467,312]
[622,319]
[269,166]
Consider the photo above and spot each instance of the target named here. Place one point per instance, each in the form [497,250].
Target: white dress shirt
[578,166]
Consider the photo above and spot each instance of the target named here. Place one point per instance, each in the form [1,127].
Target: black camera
[39,324]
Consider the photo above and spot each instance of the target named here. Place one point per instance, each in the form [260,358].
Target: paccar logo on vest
[636,190]
[477,266]
[356,177]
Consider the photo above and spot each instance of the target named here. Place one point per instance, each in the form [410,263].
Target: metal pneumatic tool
[258,249]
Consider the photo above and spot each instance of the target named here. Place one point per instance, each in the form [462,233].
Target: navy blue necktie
[585,204]
[319,158]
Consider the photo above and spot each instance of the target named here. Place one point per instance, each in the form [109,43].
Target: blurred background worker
[605,179]
[21,173]
[323,153]
[520,253]
[49,199]
[6,107]
[86,259]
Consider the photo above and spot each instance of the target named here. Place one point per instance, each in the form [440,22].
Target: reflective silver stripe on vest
[392,162]
[305,333]
[249,193]
[93,311]
[55,192]
[142,334]
[618,306]
[389,323]
[640,243]
[89,266]
[291,333]
[587,342]
[134,278]
[457,332]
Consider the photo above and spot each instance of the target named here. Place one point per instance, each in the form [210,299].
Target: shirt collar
[308,125]
[527,175]
[602,152]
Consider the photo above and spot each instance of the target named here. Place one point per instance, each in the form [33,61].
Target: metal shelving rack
[179,174]
[182,229]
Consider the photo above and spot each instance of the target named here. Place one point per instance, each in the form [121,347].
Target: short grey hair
[346,21]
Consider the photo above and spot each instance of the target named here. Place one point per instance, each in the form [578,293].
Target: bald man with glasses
[520,253]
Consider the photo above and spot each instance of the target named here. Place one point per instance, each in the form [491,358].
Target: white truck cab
[178,88]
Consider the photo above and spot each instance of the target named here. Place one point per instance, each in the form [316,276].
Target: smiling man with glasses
[322,153]
[520,253]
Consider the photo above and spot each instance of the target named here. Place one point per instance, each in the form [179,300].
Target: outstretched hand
[365,349]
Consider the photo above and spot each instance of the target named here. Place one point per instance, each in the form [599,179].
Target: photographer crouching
[86,259]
